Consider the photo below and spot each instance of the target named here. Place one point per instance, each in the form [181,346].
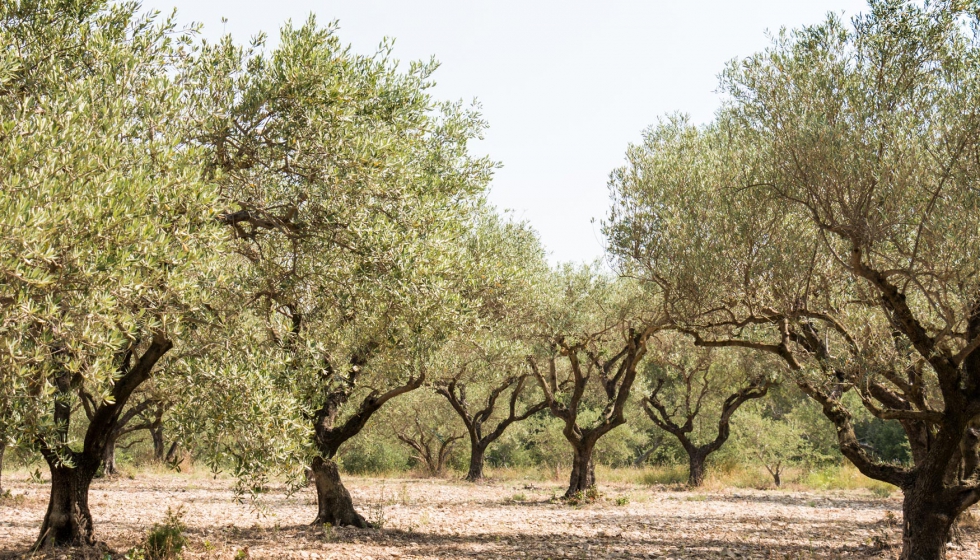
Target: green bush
[166,541]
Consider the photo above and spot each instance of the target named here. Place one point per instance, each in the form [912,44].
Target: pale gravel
[430,519]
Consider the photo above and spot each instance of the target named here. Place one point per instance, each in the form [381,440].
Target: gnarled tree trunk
[68,521]
[109,458]
[159,447]
[455,393]
[696,459]
[477,455]
[583,470]
[927,523]
[334,504]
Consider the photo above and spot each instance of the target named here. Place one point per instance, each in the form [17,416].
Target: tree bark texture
[582,477]
[696,460]
[334,504]
[927,524]
[68,521]
[477,454]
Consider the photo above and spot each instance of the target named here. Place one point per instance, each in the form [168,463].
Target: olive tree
[590,347]
[828,217]
[346,187]
[108,238]
[686,382]
[487,381]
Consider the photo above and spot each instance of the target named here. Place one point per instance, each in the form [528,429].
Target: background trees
[828,217]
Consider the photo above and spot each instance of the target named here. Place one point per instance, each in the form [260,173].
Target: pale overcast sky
[565,86]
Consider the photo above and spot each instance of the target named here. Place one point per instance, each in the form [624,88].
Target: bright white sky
[565,86]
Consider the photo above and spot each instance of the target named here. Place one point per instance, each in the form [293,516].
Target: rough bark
[582,477]
[927,523]
[334,504]
[68,520]
[109,459]
[477,455]
[696,459]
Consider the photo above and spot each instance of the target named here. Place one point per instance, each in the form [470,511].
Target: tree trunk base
[927,526]
[334,504]
[475,473]
[695,477]
[583,473]
[68,521]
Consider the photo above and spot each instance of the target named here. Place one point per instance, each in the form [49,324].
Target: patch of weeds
[36,477]
[811,503]
[404,496]
[518,498]
[666,475]
[326,530]
[135,554]
[242,554]
[166,541]
[623,500]
[378,519]
[590,496]
[890,518]
[879,543]
[696,498]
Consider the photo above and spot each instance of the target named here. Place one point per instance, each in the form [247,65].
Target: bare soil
[433,518]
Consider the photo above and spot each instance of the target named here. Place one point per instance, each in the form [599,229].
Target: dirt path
[429,519]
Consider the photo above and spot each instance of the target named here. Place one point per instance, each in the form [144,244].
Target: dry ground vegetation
[514,515]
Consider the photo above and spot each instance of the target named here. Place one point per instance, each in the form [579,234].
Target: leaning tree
[828,217]
[345,188]
[108,239]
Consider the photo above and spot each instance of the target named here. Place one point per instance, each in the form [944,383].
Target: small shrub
[166,541]
[590,496]
[519,497]
[623,500]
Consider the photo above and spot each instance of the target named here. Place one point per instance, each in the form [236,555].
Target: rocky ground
[428,519]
